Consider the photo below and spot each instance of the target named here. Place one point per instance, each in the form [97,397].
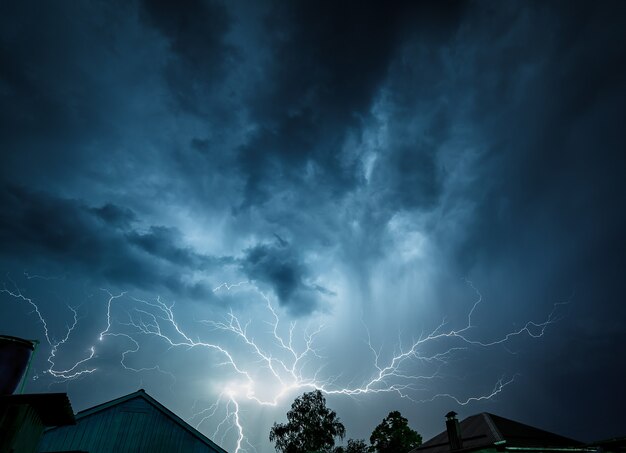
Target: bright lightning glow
[275,366]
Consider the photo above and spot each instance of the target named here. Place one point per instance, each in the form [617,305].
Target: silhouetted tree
[310,427]
[393,435]
[354,446]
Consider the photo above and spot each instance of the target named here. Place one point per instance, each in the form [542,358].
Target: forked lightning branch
[278,360]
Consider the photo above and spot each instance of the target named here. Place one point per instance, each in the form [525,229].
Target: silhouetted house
[23,419]
[614,445]
[490,433]
[133,423]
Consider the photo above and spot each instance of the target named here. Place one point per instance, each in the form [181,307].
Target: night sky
[369,170]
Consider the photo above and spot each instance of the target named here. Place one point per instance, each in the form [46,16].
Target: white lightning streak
[69,373]
[276,355]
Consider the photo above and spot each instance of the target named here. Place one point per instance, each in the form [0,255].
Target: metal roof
[485,429]
[141,393]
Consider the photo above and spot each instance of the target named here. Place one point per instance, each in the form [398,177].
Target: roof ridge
[177,419]
[113,402]
[494,419]
[141,393]
[492,427]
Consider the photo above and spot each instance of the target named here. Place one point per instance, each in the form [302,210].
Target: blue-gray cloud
[338,154]
[97,243]
[280,266]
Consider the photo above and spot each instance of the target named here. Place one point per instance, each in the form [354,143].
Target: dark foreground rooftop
[487,430]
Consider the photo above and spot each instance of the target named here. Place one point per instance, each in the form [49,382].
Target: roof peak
[141,393]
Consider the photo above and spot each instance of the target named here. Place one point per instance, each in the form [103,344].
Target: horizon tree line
[312,428]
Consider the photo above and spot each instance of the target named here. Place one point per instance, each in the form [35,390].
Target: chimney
[454,431]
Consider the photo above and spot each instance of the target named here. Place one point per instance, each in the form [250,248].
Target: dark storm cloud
[328,62]
[280,266]
[550,120]
[203,146]
[164,243]
[409,178]
[547,105]
[115,215]
[35,78]
[97,242]
[75,85]
[195,31]
[155,145]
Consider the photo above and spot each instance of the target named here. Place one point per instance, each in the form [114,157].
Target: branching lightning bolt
[69,373]
[287,365]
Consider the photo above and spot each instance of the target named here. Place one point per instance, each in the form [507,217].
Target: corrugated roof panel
[134,423]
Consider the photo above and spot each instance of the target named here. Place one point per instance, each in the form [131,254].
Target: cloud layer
[352,159]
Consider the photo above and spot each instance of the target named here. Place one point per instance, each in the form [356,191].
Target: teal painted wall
[132,426]
[20,428]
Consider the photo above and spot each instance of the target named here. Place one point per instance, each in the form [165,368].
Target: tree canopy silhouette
[394,435]
[354,446]
[310,427]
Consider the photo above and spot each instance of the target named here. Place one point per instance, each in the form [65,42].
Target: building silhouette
[134,423]
[487,432]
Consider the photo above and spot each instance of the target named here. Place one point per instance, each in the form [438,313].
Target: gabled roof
[141,393]
[485,429]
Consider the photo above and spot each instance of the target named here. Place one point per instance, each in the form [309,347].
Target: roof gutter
[572,449]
